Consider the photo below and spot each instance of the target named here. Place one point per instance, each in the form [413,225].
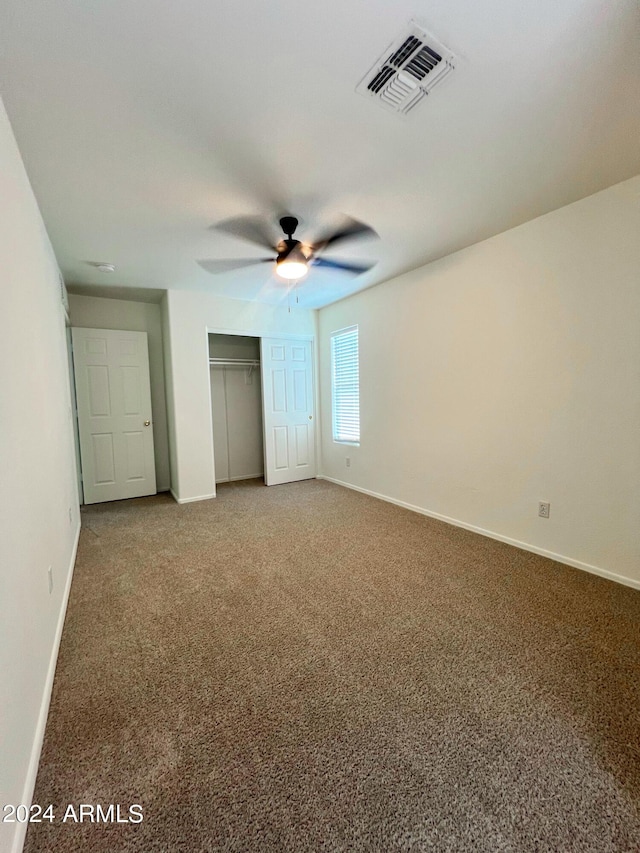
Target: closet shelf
[247,363]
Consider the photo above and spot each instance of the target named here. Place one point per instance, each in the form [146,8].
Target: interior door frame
[74,408]
[248,333]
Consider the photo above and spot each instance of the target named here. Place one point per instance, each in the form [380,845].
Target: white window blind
[345,386]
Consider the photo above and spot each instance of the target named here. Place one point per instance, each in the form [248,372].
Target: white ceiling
[143,123]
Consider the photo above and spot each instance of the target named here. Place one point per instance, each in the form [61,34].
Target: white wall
[38,499]
[97,313]
[506,374]
[174,481]
[188,316]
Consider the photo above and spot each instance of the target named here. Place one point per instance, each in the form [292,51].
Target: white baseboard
[190,500]
[38,738]
[241,477]
[525,546]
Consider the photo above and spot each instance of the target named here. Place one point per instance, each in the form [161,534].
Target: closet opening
[236,407]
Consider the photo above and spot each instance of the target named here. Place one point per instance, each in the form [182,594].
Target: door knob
[310,417]
[146,423]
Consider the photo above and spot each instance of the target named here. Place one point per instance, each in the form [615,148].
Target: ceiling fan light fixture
[291,270]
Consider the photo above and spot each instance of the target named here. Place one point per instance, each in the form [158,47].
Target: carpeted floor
[305,668]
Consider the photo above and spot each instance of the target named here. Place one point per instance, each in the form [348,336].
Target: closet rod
[248,363]
[235,362]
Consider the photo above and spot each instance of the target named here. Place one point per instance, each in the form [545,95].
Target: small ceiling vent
[413,65]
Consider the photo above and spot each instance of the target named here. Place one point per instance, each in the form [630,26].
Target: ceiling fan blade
[354,269]
[350,229]
[227,264]
[254,229]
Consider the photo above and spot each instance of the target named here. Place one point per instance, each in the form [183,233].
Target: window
[345,386]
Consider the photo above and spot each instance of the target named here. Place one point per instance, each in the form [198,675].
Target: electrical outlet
[544,509]
[50,577]
[347,461]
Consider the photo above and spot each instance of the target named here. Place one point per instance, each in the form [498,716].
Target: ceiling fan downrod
[289,225]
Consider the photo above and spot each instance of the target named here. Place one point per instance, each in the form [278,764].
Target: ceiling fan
[293,258]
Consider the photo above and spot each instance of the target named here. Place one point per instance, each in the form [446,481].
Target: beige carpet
[304,668]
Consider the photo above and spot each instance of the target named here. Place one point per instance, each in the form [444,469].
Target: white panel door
[287,396]
[114,414]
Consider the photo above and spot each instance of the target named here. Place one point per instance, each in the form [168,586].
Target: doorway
[236,407]
[262,408]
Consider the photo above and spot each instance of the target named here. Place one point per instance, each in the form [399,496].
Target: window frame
[348,330]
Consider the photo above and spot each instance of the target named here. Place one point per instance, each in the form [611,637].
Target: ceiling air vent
[413,65]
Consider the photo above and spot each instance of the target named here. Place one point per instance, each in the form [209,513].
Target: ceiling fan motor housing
[290,247]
